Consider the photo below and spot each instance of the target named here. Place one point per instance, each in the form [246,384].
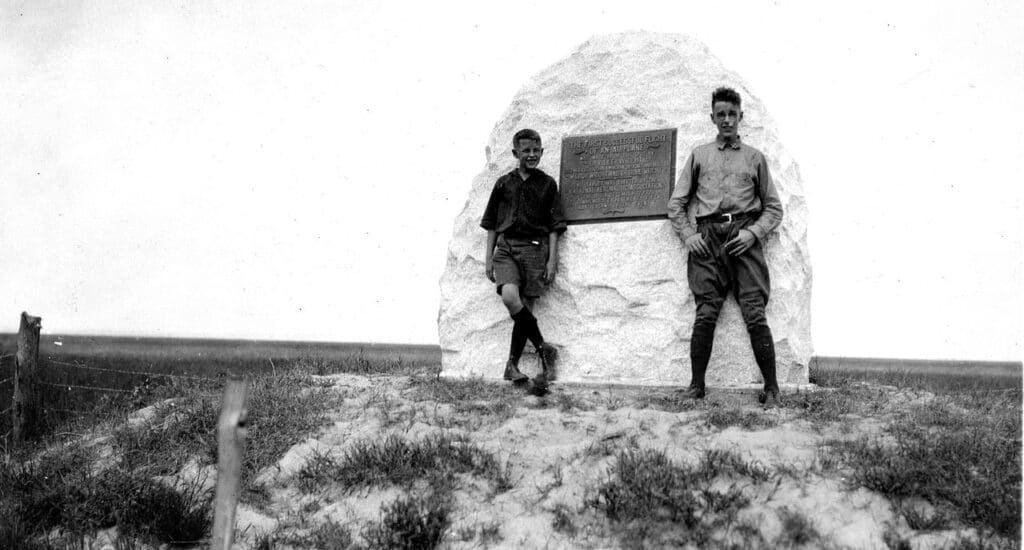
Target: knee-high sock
[530,328]
[519,335]
[700,353]
[764,353]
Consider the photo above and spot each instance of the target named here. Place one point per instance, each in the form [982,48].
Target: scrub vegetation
[398,461]
[423,462]
[99,471]
[959,453]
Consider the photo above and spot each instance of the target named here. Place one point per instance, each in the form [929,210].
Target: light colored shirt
[731,178]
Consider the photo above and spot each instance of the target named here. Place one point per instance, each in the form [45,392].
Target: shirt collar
[531,171]
[735,144]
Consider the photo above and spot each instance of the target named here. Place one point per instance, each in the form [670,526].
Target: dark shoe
[548,359]
[770,399]
[539,385]
[694,392]
[512,372]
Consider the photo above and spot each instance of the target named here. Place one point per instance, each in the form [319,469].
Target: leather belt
[518,240]
[723,218]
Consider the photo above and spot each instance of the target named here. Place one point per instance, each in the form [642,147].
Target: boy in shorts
[523,220]
[727,184]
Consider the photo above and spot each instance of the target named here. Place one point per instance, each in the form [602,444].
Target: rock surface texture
[621,310]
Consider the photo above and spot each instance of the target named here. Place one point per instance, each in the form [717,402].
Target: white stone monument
[621,310]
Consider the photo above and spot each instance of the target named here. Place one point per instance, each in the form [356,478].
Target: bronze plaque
[618,177]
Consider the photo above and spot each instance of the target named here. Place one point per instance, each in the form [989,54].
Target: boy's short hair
[525,133]
[725,94]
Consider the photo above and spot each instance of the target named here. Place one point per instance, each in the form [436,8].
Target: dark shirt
[530,208]
[730,179]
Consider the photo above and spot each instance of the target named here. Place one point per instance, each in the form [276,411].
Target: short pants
[521,262]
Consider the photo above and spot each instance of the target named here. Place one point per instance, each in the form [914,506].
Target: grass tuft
[659,502]
[411,522]
[797,529]
[721,417]
[325,536]
[717,462]
[398,461]
[328,536]
[920,518]
[562,521]
[487,533]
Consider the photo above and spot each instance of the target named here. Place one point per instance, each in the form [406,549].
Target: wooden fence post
[230,451]
[25,403]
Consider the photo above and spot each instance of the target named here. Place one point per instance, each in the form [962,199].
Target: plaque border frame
[612,219]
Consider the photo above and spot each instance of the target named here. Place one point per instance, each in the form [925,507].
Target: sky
[292,171]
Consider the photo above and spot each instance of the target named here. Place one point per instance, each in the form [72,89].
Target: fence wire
[75,386]
[73,411]
[66,388]
[132,372]
[69,387]
[64,402]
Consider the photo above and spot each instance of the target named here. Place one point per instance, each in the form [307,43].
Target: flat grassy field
[210,356]
[362,446]
[934,373]
[82,371]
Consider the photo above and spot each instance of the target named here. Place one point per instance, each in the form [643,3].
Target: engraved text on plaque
[617,177]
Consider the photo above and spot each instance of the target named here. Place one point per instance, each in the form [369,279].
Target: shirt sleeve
[681,197]
[557,214]
[490,219]
[771,205]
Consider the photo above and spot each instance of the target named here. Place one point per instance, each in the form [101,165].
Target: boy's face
[727,116]
[528,151]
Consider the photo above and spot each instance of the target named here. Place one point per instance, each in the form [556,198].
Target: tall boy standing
[728,185]
[523,220]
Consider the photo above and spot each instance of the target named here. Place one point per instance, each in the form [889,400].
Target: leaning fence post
[230,450]
[25,401]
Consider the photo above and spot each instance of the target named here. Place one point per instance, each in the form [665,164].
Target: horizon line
[226,339]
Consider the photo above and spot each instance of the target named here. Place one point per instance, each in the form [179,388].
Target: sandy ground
[559,449]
